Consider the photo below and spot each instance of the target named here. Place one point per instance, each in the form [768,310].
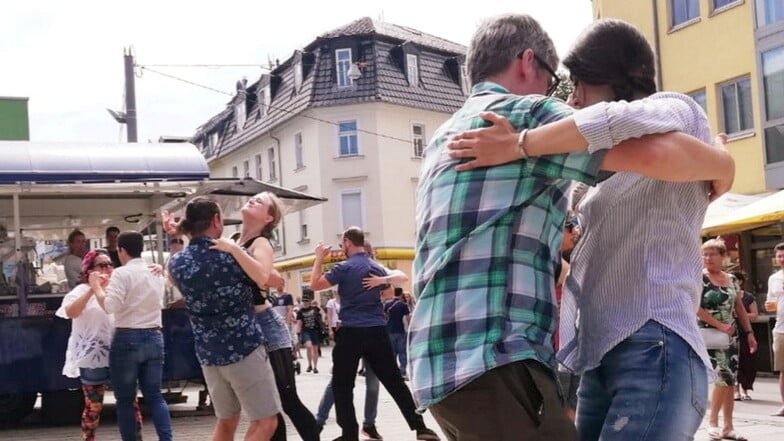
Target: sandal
[734,436]
[746,397]
[738,397]
[715,433]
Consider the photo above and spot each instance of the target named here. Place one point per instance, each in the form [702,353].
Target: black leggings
[282,363]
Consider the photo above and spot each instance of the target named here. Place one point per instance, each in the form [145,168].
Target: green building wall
[14,122]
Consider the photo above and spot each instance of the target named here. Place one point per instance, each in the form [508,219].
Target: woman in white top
[87,356]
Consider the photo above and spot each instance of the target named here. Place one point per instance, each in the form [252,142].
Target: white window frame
[298,154]
[349,133]
[235,172]
[272,164]
[418,150]
[265,101]
[352,191]
[741,132]
[342,65]
[214,140]
[412,69]
[259,168]
[246,169]
[719,9]
[465,79]
[303,226]
[240,116]
[297,76]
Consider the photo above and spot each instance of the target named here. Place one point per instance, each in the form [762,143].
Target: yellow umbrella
[766,210]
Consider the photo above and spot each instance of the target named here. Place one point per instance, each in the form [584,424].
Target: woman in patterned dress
[87,356]
[719,304]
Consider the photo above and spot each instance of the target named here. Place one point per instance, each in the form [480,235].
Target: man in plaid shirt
[481,336]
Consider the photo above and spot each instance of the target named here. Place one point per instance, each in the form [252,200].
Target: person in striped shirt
[480,340]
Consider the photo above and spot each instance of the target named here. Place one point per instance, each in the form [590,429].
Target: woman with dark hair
[635,274]
[260,216]
[87,356]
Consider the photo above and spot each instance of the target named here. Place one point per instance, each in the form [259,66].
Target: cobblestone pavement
[752,418]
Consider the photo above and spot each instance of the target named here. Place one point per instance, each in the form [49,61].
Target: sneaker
[427,434]
[315,371]
[779,413]
[369,430]
[309,369]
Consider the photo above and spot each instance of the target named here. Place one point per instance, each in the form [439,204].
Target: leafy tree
[565,87]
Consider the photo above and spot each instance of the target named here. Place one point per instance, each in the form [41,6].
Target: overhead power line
[192,83]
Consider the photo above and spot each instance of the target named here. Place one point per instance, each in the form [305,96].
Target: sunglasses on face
[102,265]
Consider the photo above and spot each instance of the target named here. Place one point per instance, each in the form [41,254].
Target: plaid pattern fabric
[486,246]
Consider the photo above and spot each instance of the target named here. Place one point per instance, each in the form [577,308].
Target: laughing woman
[87,356]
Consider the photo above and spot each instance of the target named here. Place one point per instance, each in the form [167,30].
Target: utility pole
[130,95]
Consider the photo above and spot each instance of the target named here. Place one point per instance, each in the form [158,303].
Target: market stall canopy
[79,162]
[759,210]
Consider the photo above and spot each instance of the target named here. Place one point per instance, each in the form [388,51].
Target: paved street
[752,418]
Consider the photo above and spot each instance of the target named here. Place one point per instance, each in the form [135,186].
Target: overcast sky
[67,56]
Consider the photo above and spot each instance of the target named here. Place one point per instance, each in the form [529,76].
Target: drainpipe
[656,48]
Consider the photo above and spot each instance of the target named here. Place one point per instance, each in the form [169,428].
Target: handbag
[715,339]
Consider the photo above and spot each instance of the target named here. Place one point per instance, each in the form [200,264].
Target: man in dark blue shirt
[362,333]
[228,340]
[397,312]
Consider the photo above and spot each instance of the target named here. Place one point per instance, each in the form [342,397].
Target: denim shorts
[94,376]
[276,333]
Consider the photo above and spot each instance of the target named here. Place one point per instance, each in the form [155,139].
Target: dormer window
[213,140]
[342,65]
[239,115]
[297,76]
[412,69]
[265,96]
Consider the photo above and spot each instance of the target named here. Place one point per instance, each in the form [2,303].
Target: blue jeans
[371,400]
[650,387]
[137,355]
[399,346]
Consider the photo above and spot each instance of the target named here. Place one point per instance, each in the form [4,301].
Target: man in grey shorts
[228,341]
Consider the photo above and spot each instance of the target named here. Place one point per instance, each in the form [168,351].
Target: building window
[245,169]
[700,98]
[718,4]
[418,139]
[271,164]
[412,69]
[257,160]
[774,144]
[303,226]
[351,209]
[213,140]
[234,172]
[736,110]
[297,76]
[342,64]
[298,151]
[682,11]
[769,12]
[347,138]
[773,82]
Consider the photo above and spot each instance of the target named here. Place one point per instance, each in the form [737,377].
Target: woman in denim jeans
[87,356]
[260,215]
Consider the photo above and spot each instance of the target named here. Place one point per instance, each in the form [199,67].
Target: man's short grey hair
[498,41]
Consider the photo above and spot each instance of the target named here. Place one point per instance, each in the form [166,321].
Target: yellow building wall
[716,48]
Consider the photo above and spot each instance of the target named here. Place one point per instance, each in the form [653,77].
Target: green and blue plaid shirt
[487,243]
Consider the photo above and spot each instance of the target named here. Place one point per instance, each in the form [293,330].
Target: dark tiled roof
[375,44]
[368,26]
